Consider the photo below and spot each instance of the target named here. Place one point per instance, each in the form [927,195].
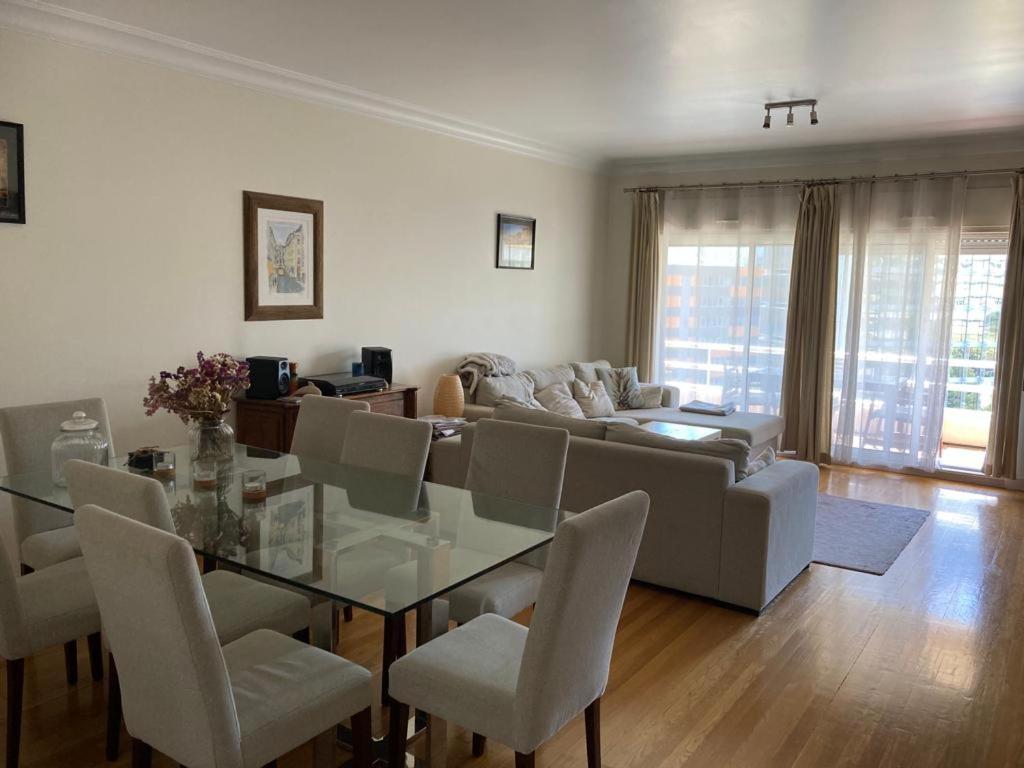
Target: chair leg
[362,739]
[113,710]
[592,715]
[347,612]
[15,689]
[95,656]
[394,649]
[398,733]
[526,761]
[479,745]
[71,661]
[302,635]
[324,748]
[142,754]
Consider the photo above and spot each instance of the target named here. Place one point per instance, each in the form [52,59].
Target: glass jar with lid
[79,438]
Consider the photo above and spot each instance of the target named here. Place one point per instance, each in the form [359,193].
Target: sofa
[759,430]
[740,542]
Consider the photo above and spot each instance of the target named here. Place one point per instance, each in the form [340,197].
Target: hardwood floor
[921,667]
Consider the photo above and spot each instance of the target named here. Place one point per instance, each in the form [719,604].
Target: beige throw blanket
[474,367]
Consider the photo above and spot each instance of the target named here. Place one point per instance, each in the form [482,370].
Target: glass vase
[212,439]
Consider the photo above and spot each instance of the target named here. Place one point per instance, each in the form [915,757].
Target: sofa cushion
[736,451]
[652,395]
[518,385]
[593,399]
[588,371]
[558,399]
[533,403]
[623,387]
[755,428]
[577,427]
[544,377]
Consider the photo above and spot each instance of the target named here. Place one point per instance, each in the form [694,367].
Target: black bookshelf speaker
[268,377]
[377,362]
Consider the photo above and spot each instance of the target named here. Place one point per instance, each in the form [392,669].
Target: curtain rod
[837,180]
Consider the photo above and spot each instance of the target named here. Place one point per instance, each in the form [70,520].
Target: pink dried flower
[201,393]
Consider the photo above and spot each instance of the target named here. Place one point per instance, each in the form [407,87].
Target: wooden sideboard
[270,424]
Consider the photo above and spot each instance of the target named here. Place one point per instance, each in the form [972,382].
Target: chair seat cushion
[46,548]
[59,604]
[240,605]
[287,692]
[505,591]
[467,676]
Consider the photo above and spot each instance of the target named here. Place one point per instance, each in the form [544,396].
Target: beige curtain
[810,327]
[644,283]
[1001,457]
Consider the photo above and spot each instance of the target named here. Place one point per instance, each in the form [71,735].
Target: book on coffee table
[711,409]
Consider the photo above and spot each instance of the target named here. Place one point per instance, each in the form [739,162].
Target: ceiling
[627,79]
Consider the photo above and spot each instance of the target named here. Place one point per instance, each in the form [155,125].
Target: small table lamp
[449,399]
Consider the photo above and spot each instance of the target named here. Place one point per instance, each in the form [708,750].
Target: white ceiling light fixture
[769,106]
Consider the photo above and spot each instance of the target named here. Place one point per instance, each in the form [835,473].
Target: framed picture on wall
[284,264]
[516,238]
[12,173]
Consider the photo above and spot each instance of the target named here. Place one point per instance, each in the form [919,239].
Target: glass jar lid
[79,422]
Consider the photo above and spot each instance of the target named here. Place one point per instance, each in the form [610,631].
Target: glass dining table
[385,543]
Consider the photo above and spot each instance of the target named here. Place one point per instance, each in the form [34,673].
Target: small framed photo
[516,238]
[284,257]
[12,173]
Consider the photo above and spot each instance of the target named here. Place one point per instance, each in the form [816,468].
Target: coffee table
[681,431]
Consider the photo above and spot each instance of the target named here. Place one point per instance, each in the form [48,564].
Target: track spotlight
[790,120]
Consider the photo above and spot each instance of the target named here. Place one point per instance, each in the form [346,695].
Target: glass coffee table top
[681,431]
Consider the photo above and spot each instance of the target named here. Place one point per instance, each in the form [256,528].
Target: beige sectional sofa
[759,430]
[739,542]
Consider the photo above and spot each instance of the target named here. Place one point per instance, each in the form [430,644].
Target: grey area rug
[862,535]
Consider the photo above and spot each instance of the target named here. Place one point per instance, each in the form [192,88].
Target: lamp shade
[449,399]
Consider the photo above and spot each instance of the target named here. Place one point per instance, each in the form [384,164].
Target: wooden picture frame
[511,250]
[278,283]
[12,173]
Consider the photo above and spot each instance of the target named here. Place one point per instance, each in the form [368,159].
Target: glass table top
[383,542]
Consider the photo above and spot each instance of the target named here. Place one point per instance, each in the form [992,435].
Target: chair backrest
[134,496]
[14,638]
[321,427]
[387,443]
[569,647]
[27,432]
[174,682]
[518,461]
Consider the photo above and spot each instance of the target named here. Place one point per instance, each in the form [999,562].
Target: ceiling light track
[769,106]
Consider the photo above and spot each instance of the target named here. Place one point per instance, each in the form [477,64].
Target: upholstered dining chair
[50,606]
[388,443]
[45,536]
[518,685]
[511,461]
[242,705]
[238,605]
[322,425]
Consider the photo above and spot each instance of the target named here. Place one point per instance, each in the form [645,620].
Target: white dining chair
[239,605]
[50,606]
[521,686]
[322,425]
[524,463]
[242,705]
[45,536]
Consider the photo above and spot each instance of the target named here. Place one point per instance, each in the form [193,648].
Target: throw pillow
[490,388]
[593,399]
[544,377]
[532,403]
[622,386]
[558,399]
[651,393]
[587,372]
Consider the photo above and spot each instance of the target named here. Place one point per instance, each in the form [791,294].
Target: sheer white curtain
[897,277]
[725,289]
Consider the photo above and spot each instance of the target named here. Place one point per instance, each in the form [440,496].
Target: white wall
[132,256]
[984,205]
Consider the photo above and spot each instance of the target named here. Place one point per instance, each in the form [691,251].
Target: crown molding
[949,148]
[97,33]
